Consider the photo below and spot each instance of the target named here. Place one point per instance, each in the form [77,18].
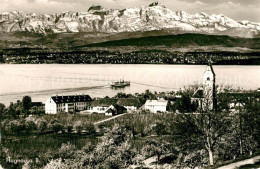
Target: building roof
[128,102]
[71,99]
[160,102]
[37,104]
[116,109]
[211,68]
[120,108]
[104,102]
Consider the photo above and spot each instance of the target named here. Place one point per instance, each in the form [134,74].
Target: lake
[45,80]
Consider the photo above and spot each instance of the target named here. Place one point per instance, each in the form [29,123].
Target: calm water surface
[42,81]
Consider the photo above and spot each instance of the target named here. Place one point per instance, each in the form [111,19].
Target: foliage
[26,102]
[41,124]
[156,148]
[90,128]
[123,95]
[192,159]
[56,126]
[113,151]
[78,126]
[2,108]
[30,126]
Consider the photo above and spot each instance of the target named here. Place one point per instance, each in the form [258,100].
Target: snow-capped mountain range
[99,19]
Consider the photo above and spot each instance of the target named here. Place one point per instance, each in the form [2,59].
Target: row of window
[71,104]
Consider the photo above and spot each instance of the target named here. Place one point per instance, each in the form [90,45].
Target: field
[44,146]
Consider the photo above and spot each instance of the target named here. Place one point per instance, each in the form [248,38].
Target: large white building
[67,104]
[156,106]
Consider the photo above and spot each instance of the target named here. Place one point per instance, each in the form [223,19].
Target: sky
[235,9]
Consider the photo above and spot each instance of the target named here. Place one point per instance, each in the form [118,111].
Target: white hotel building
[67,104]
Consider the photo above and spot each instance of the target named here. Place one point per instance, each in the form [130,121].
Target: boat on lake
[120,83]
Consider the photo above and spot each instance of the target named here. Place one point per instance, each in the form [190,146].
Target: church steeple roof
[211,68]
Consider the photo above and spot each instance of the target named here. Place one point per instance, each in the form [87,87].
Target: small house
[101,105]
[115,110]
[131,104]
[156,106]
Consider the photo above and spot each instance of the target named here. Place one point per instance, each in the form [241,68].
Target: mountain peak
[156,4]
[156,17]
[95,8]
[204,14]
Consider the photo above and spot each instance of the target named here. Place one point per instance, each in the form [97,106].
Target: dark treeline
[182,40]
[135,57]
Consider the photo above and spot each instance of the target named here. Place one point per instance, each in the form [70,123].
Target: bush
[56,127]
[69,128]
[160,129]
[78,126]
[66,151]
[30,126]
[16,126]
[41,124]
[90,128]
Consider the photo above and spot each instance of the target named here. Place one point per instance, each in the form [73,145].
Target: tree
[113,151]
[204,130]
[212,126]
[13,109]
[90,128]
[156,148]
[120,95]
[41,124]
[149,95]
[184,104]
[244,133]
[56,126]
[36,110]
[2,108]
[66,151]
[27,100]
[16,126]
[2,59]
[30,126]
[160,128]
[78,126]
[246,123]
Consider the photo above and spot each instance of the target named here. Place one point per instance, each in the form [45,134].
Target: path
[241,163]
[111,118]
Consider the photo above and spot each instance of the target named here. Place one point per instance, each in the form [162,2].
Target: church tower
[209,92]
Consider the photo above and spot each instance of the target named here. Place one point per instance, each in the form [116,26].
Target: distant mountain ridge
[150,18]
[183,40]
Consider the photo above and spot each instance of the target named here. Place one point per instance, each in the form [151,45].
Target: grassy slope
[82,41]
[183,40]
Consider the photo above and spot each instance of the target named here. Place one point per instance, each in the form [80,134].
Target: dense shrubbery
[112,151]
[21,108]
[38,124]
